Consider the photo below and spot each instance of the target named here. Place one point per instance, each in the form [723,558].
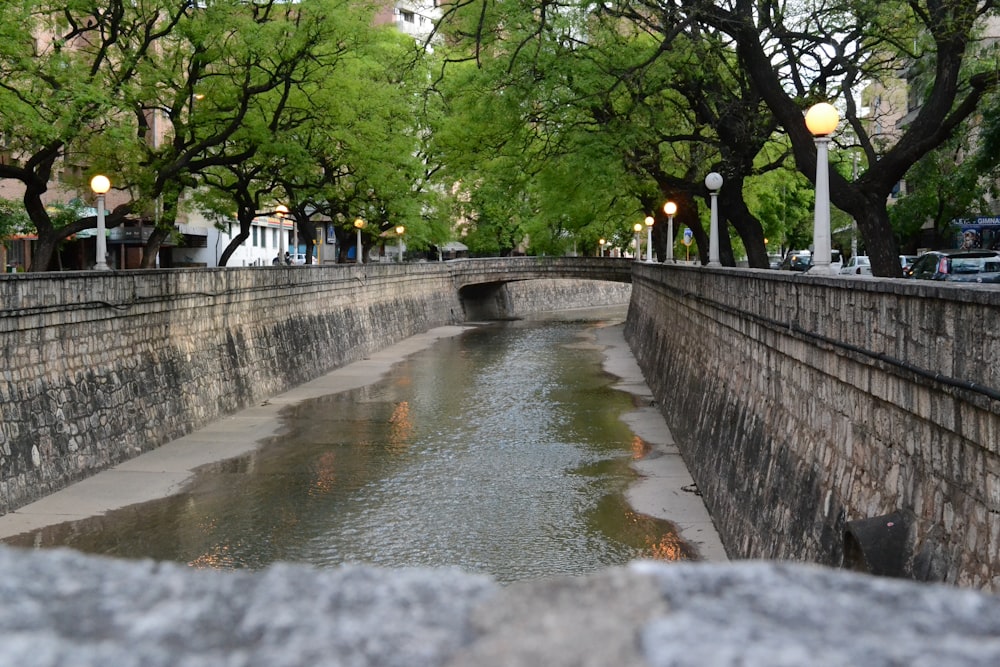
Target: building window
[255,236]
[407,16]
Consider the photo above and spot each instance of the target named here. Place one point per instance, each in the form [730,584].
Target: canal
[501,450]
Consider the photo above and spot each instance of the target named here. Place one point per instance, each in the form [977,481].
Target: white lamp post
[281,210]
[714,183]
[822,120]
[638,249]
[100,185]
[670,208]
[649,237]
[400,229]
[359,252]
[601,243]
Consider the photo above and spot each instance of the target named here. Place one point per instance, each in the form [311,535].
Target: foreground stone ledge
[64,608]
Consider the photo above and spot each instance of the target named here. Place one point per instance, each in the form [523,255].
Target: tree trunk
[48,239]
[44,250]
[234,244]
[873,223]
[152,248]
[168,217]
[746,225]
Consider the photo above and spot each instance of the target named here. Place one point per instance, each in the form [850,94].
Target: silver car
[859,265]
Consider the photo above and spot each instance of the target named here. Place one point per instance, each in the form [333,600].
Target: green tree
[62,71]
[941,187]
[224,83]
[634,119]
[795,59]
[331,142]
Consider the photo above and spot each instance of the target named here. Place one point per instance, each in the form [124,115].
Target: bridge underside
[486,301]
[487,288]
[511,300]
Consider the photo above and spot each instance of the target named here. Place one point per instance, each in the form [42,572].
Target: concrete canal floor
[664,491]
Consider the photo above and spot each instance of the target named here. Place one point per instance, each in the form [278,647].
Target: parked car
[858,265]
[836,260]
[796,260]
[970,266]
[906,261]
[802,260]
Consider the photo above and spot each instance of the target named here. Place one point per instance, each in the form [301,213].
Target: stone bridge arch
[483,284]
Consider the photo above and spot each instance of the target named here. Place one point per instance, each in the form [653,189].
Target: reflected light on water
[660,544]
[218,558]
[639,448]
[326,474]
[401,429]
[669,547]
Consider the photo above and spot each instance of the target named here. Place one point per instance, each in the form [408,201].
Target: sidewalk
[666,489]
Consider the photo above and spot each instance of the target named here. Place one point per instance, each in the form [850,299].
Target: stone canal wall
[845,421]
[99,367]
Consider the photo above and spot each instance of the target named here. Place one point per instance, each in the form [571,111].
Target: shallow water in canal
[499,451]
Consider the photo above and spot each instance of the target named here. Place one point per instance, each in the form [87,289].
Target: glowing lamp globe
[100,184]
[670,208]
[822,119]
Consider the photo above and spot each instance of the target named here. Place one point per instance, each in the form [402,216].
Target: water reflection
[501,451]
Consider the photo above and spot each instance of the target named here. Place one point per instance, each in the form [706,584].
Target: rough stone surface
[63,608]
[804,404]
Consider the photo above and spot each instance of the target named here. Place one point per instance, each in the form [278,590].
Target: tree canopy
[681,88]
[307,101]
[529,126]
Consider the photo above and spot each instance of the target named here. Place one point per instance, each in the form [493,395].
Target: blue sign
[975,233]
[688,236]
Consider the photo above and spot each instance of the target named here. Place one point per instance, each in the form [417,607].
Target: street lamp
[359,251]
[714,183]
[822,120]
[100,185]
[400,229]
[601,242]
[281,210]
[649,238]
[670,208]
[638,248]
